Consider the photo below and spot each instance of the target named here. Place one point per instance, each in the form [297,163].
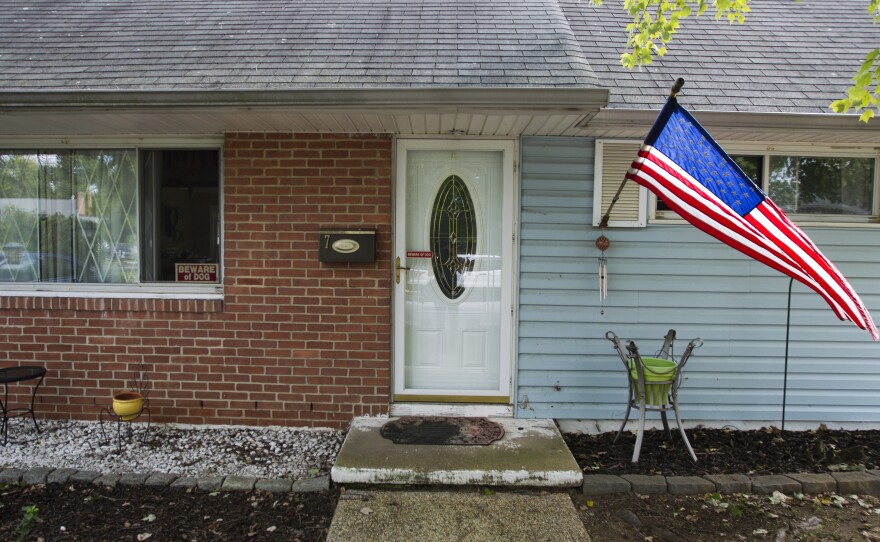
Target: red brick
[309,342]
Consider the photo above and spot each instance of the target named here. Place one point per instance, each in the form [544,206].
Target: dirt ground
[728,451]
[715,518]
[84,512]
[77,512]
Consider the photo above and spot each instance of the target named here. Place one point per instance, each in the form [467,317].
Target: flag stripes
[764,234]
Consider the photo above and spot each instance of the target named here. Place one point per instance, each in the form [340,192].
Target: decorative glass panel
[453,236]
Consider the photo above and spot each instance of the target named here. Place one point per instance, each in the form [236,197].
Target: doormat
[437,430]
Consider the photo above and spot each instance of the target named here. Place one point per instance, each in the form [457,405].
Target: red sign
[419,254]
[196,272]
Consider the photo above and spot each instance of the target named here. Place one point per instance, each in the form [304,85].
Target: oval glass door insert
[453,235]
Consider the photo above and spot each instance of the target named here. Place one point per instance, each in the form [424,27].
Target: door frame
[504,394]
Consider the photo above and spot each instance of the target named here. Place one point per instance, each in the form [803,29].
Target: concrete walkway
[463,514]
[532,454]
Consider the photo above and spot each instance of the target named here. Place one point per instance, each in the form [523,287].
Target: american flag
[693,175]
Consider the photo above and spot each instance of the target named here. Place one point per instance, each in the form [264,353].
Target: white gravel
[261,452]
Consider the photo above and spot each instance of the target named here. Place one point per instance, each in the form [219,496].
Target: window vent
[613,159]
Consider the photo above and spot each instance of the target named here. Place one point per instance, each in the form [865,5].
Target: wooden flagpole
[673,92]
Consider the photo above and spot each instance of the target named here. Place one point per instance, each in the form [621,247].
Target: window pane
[64,216]
[105,184]
[822,185]
[19,216]
[181,217]
[752,166]
[54,259]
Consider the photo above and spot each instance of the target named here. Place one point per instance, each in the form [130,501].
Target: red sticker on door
[419,254]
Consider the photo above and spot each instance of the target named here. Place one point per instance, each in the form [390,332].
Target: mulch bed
[85,512]
[728,451]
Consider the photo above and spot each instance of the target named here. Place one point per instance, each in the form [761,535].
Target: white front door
[453,255]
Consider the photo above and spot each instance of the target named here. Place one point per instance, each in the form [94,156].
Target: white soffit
[219,122]
[475,112]
[819,129]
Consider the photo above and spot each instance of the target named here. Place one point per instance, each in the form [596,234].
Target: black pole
[785,367]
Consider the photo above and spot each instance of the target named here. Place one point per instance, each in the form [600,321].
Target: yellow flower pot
[128,405]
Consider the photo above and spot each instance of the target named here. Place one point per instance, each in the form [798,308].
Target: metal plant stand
[653,385]
[123,424]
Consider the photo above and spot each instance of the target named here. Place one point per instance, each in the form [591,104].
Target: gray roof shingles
[791,57]
[266,44]
[788,57]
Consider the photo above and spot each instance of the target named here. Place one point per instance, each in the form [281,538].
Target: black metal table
[9,375]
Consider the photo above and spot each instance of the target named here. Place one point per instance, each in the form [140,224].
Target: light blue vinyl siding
[674,276]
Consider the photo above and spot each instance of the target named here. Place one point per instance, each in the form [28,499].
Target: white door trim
[505,389]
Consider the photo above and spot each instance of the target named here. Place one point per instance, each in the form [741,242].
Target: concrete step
[531,454]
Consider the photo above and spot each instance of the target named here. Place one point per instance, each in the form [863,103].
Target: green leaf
[655,22]
[840,106]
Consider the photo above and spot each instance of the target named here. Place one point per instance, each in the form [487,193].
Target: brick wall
[293,342]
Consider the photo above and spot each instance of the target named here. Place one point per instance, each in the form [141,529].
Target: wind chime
[602,243]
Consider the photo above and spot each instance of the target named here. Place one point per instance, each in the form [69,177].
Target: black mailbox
[347,245]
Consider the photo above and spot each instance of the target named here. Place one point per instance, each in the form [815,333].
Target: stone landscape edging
[48,475]
[847,483]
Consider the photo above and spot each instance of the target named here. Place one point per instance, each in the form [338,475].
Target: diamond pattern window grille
[69,216]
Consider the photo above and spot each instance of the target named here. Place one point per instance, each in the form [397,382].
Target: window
[822,185]
[117,216]
[812,187]
[181,211]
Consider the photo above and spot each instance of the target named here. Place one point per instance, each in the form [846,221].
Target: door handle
[397,269]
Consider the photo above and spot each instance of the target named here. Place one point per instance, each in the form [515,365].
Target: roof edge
[396,99]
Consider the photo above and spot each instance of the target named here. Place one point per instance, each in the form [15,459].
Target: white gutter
[530,99]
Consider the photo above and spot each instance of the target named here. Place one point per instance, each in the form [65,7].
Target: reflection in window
[812,185]
[821,185]
[453,236]
[74,216]
[63,216]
